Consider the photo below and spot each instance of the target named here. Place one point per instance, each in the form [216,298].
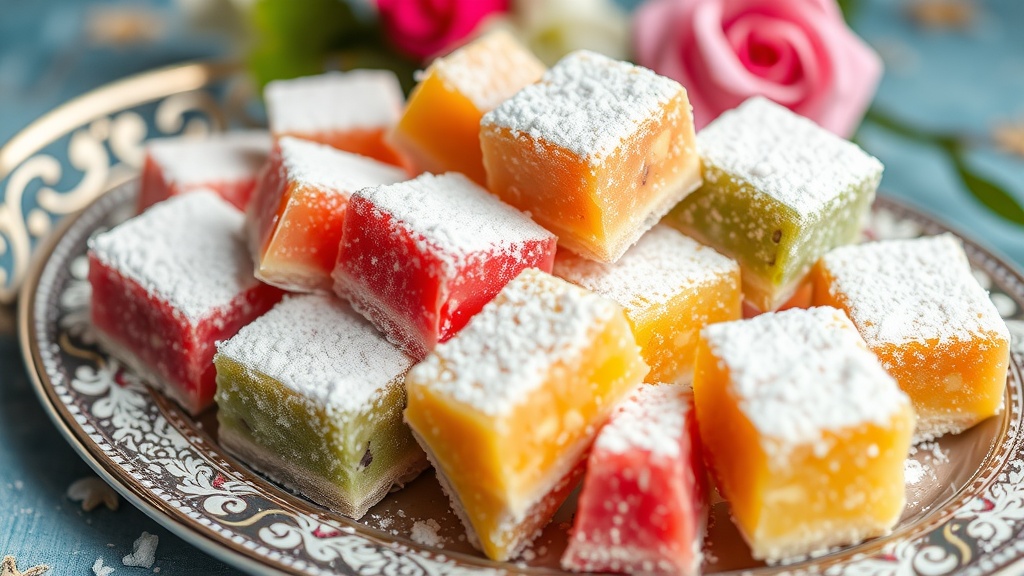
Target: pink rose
[799,53]
[424,28]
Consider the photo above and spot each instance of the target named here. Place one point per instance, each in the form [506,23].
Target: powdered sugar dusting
[799,372]
[321,349]
[328,168]
[334,101]
[507,349]
[785,156]
[454,215]
[659,267]
[426,532]
[587,104]
[187,251]
[652,419]
[490,69]
[912,290]
[209,159]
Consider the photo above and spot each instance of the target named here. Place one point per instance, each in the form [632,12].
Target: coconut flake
[918,290]
[662,265]
[335,101]
[489,70]
[587,104]
[507,350]
[456,218]
[210,159]
[318,347]
[187,251]
[785,156]
[799,372]
[652,419]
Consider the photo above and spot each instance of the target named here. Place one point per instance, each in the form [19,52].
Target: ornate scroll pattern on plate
[105,152]
[170,462]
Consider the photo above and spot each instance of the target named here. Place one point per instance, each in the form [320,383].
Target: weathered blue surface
[951,80]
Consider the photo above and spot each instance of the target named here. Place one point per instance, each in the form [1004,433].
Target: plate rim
[210,542]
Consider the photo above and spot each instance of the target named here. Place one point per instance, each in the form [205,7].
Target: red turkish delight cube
[227,163]
[296,216]
[643,508]
[419,258]
[168,284]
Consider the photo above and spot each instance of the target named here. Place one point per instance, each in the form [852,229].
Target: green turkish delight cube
[779,192]
[311,395]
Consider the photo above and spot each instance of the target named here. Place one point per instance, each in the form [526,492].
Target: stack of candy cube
[530,279]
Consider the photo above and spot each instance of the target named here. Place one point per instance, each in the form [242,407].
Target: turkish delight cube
[311,395]
[168,284]
[296,216]
[670,287]
[351,111]
[928,320]
[508,408]
[596,152]
[644,504]
[440,127]
[804,431]
[227,163]
[779,191]
[419,258]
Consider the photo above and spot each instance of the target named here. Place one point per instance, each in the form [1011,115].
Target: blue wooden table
[964,77]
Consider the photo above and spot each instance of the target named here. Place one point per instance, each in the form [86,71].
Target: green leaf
[849,8]
[292,37]
[993,196]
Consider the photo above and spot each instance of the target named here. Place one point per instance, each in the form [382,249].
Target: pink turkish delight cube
[168,284]
[643,508]
[227,163]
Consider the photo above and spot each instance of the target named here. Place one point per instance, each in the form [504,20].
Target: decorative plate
[965,493]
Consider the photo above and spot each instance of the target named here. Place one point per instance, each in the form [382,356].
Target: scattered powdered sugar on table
[211,158]
[320,348]
[425,532]
[918,290]
[454,215]
[587,104]
[913,471]
[99,569]
[143,551]
[334,101]
[187,251]
[659,267]
[652,419]
[490,69]
[785,155]
[506,350]
[324,167]
[799,372]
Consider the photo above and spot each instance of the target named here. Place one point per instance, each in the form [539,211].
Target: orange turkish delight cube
[440,127]
[670,287]
[928,320]
[804,431]
[351,111]
[597,152]
[296,217]
[508,408]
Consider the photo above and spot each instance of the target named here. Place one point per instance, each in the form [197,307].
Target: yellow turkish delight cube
[508,408]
